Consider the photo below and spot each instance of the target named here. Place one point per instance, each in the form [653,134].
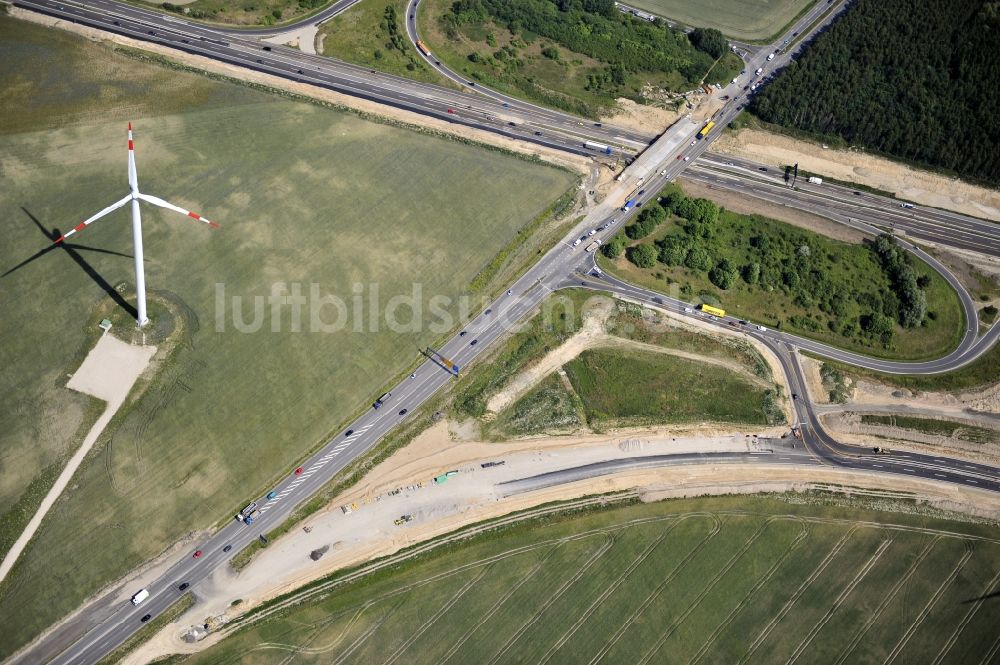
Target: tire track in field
[457,596]
[707,589]
[655,593]
[296,649]
[929,605]
[611,588]
[818,626]
[992,651]
[946,647]
[563,588]
[497,605]
[803,534]
[874,616]
[798,593]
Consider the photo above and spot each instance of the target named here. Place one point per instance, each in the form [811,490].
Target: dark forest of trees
[914,79]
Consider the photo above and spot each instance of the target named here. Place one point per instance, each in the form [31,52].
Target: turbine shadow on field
[994,594]
[72,251]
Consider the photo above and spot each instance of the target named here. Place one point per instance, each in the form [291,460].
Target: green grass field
[724,580]
[748,20]
[305,196]
[548,407]
[363,36]
[852,266]
[634,387]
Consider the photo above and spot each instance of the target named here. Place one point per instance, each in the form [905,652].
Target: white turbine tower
[134,195]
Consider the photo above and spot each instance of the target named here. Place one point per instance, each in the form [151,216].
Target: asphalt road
[111,619]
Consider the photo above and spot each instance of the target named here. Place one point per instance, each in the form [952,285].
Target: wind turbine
[134,195]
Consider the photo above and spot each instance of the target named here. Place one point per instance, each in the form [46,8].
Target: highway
[110,620]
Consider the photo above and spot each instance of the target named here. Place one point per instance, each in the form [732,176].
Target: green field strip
[736,574]
[825,640]
[559,571]
[774,600]
[979,634]
[683,590]
[949,610]
[818,596]
[651,582]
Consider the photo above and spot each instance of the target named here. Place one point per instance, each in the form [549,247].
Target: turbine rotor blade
[91,220]
[133,179]
[155,200]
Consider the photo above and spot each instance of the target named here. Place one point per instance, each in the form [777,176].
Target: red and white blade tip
[202,219]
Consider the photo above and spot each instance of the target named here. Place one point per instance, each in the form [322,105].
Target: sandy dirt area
[108,372]
[472,496]
[907,183]
[641,118]
[577,164]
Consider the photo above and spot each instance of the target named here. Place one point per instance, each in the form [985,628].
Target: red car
[197,554]
[298,471]
[680,156]
[451,110]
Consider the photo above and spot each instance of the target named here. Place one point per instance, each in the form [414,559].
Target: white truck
[142,595]
[816,181]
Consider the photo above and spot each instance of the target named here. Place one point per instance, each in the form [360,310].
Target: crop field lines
[747,544]
[494,608]
[695,587]
[817,571]
[926,609]
[553,597]
[610,589]
[889,596]
[950,642]
[657,590]
[437,615]
[760,584]
[839,600]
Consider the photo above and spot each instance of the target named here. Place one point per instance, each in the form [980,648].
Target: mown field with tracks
[725,580]
[309,200]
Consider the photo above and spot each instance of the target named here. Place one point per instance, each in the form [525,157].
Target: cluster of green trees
[914,79]
[396,40]
[754,257]
[625,44]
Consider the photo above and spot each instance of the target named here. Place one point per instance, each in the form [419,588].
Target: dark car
[763,168]
[597,124]
[512,124]
[474,342]
[658,301]
[795,395]
[146,617]
[402,412]
[489,311]
[462,334]
[538,133]
[267,48]
[227,548]
[411,17]
[349,432]
[183,586]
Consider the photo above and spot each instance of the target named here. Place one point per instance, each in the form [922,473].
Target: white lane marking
[909,470]
[970,480]
[940,475]
[877,465]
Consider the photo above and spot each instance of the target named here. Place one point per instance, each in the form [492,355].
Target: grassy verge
[373,33]
[725,69]
[982,372]
[936,427]
[753,23]
[546,408]
[646,388]
[180,606]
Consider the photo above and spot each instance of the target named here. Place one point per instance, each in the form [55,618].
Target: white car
[734,81]
[688,310]
[687,159]
[762,328]
[592,232]
[694,142]
[759,70]
[576,242]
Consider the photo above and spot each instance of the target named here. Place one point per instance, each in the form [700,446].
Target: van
[762,328]
[142,595]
